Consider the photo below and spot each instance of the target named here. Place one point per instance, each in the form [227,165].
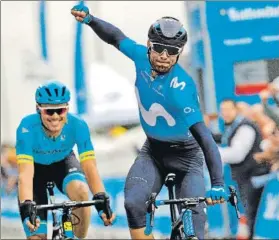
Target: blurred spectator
[271,92]
[266,125]
[8,168]
[271,152]
[244,109]
[241,139]
[270,146]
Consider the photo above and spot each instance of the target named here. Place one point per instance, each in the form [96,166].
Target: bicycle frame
[67,227]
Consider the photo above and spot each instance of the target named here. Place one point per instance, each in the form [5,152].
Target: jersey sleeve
[132,50]
[24,141]
[84,143]
[186,101]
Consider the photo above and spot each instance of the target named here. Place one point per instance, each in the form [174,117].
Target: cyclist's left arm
[25,162]
[87,158]
[187,100]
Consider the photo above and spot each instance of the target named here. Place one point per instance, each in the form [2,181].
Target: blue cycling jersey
[168,104]
[33,145]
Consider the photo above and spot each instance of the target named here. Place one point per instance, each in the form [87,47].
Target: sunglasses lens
[172,51]
[159,48]
[50,112]
[61,110]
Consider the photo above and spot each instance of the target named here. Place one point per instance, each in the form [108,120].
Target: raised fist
[81,13]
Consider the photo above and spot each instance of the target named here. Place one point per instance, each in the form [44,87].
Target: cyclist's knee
[135,206]
[37,237]
[136,210]
[78,191]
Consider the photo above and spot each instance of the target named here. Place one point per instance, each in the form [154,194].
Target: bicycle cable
[78,219]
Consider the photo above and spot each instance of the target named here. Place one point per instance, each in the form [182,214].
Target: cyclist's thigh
[66,171]
[192,184]
[40,197]
[144,177]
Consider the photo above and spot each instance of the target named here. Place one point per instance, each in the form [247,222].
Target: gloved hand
[104,209]
[28,213]
[217,194]
[81,13]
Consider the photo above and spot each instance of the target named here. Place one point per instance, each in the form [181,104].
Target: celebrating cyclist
[44,148]
[177,139]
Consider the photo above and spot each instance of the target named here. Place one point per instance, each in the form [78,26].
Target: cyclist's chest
[43,144]
[150,91]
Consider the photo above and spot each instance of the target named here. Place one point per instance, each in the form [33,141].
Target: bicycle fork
[56,227]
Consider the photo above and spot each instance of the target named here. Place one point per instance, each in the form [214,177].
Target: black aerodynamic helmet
[169,31]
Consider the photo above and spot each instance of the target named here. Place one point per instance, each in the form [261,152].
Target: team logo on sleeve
[24,130]
[175,84]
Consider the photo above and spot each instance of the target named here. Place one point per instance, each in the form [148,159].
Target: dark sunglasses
[160,48]
[51,111]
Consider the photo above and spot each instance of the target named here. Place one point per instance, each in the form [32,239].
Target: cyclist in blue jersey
[44,148]
[177,139]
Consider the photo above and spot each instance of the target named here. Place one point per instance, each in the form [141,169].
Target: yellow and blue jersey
[33,144]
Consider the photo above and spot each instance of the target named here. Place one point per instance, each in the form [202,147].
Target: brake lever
[107,209]
[33,214]
[150,213]
[233,199]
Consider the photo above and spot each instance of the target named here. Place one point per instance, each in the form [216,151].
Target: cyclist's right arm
[114,36]
[25,162]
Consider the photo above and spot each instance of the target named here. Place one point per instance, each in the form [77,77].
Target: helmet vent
[178,34]
[48,92]
[56,92]
[63,91]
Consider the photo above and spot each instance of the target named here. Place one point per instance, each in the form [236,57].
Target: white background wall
[20,47]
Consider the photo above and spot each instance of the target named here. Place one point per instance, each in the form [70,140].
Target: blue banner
[234,48]
[267,221]
[79,72]
[243,36]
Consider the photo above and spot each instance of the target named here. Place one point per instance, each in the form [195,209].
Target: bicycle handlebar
[152,203]
[69,205]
